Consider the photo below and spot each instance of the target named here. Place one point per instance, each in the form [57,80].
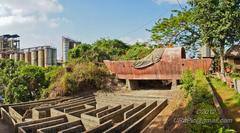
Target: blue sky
[43,22]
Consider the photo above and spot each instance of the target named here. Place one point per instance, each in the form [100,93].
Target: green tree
[103,49]
[178,29]
[8,71]
[137,51]
[82,51]
[218,22]
[109,49]
[27,85]
[206,22]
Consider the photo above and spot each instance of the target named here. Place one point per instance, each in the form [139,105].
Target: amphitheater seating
[90,114]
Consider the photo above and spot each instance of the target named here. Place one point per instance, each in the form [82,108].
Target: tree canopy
[107,49]
[218,22]
[178,29]
[22,82]
[210,22]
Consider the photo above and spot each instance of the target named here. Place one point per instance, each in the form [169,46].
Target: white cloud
[131,40]
[28,11]
[170,1]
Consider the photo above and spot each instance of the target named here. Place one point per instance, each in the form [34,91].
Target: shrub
[137,51]
[187,81]
[235,75]
[103,49]
[78,77]
[27,85]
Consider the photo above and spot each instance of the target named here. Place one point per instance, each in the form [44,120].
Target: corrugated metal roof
[233,52]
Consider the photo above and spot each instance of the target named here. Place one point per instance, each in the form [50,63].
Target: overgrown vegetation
[106,49]
[100,50]
[21,82]
[137,51]
[203,116]
[230,101]
[225,90]
[78,77]
[235,75]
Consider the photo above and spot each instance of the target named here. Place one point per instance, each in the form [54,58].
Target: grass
[230,101]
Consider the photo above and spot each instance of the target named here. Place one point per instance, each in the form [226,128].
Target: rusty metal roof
[233,52]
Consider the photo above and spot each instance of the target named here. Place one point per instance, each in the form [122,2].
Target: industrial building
[67,44]
[41,56]
[9,42]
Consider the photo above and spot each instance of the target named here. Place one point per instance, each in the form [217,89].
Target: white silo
[47,56]
[41,57]
[27,56]
[34,58]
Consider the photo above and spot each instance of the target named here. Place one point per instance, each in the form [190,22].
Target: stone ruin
[107,113]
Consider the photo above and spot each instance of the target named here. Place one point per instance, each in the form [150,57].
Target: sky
[44,22]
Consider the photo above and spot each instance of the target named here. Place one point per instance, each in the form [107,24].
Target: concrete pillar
[132,84]
[34,58]
[41,57]
[174,84]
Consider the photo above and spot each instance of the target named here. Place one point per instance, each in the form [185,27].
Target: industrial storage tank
[41,57]
[34,58]
[21,57]
[54,56]
[47,56]
[1,56]
[16,56]
[27,55]
[11,56]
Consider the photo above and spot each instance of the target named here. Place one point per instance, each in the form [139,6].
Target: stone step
[75,129]
[32,128]
[127,98]
[59,127]
[146,119]
[108,111]
[131,120]
[39,121]
[134,110]
[130,96]
[121,101]
[78,113]
[62,107]
[101,128]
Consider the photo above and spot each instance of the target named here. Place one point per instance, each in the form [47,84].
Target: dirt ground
[4,128]
[165,122]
